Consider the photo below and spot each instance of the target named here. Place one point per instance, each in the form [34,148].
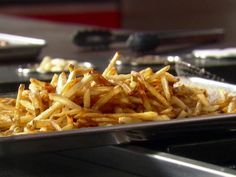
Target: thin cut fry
[63,100]
[165,86]
[103,100]
[111,64]
[87,100]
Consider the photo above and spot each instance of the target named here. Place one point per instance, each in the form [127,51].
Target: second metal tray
[19,47]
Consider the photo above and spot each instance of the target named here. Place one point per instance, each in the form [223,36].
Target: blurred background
[131,14]
[134,15]
[18,66]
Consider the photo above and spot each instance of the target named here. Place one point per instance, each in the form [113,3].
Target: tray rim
[124,127]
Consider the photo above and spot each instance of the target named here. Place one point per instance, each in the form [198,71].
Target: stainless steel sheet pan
[120,134]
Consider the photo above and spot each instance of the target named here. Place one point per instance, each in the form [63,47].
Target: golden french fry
[155,93]
[146,104]
[6,106]
[146,73]
[19,95]
[198,108]
[120,77]
[165,86]
[5,122]
[87,98]
[103,100]
[36,102]
[175,100]
[212,108]
[42,123]
[166,111]
[62,79]
[63,100]
[45,114]
[203,99]
[111,64]
[128,120]
[68,127]
[28,105]
[159,73]
[54,80]
[232,106]
[170,77]
[55,125]
[182,114]
[144,115]
[83,83]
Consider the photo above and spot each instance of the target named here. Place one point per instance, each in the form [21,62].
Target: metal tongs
[143,41]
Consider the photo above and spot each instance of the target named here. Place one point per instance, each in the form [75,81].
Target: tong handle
[146,41]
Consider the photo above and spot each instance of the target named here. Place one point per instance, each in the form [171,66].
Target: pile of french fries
[87,98]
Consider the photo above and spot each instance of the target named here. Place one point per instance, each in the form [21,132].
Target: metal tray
[20,47]
[120,134]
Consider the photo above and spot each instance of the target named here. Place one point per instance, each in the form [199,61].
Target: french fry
[87,99]
[103,100]
[159,73]
[36,101]
[5,122]
[86,79]
[146,104]
[63,100]
[45,114]
[182,114]
[27,105]
[54,80]
[175,100]
[42,123]
[111,64]
[203,99]
[232,106]
[144,115]
[69,124]
[165,86]
[128,120]
[55,125]
[6,106]
[156,94]
[61,82]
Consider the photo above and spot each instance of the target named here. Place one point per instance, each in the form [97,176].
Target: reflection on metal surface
[20,47]
[215,53]
[15,40]
[191,164]
[145,162]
